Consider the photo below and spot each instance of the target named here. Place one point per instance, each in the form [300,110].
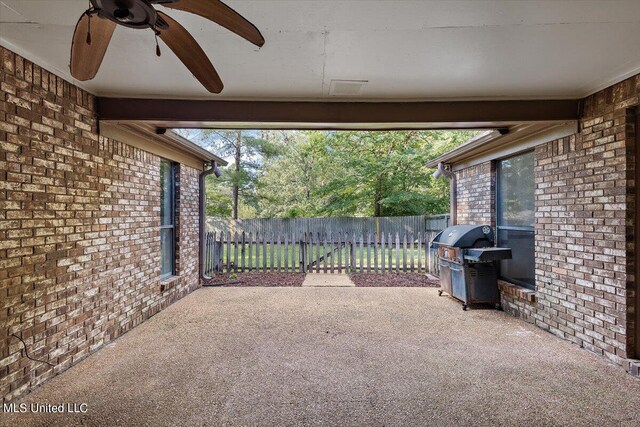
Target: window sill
[516,291]
[168,283]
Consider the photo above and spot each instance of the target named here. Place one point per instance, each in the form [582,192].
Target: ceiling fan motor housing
[138,14]
[91,37]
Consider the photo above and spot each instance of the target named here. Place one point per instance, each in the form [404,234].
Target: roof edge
[495,144]
[476,141]
[170,139]
[194,148]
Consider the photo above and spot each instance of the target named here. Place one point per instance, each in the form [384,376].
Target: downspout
[453,192]
[213,168]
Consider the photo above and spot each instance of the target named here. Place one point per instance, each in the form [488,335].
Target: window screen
[516,216]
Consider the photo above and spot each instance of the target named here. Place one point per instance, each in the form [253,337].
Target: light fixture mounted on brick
[96,26]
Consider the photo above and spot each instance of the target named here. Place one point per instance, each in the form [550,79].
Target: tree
[289,187]
[247,149]
[290,174]
[384,173]
[217,197]
[357,174]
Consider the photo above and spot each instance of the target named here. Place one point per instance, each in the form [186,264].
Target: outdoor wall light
[453,191]
[442,171]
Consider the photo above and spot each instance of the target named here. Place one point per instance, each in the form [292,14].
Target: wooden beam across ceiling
[172,113]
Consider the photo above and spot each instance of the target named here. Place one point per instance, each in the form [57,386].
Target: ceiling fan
[96,26]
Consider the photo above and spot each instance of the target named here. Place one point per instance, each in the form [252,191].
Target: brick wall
[585,212]
[79,228]
[476,191]
[187,223]
[584,227]
[518,301]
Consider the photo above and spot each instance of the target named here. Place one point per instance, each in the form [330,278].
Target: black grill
[467,260]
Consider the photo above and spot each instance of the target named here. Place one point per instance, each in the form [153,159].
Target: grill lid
[465,236]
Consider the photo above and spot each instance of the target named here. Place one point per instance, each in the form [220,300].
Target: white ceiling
[415,50]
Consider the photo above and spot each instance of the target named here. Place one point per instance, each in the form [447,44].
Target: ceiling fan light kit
[96,26]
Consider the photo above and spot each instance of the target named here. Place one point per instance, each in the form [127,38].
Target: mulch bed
[390,280]
[257,279]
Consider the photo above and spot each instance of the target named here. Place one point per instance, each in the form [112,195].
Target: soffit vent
[346,87]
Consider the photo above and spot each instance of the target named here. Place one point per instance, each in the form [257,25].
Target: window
[167,218]
[515,217]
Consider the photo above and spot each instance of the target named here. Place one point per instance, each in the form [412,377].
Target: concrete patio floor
[337,356]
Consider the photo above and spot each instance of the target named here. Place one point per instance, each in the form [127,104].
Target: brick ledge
[169,283]
[517,291]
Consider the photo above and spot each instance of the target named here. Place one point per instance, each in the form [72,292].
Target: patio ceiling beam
[354,115]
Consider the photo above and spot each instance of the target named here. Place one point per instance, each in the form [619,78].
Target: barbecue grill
[467,260]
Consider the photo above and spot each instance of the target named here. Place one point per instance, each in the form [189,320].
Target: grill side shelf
[487,254]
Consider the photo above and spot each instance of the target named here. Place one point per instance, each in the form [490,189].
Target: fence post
[249,263]
[339,252]
[278,253]
[404,252]
[235,252]
[281,254]
[397,253]
[286,252]
[368,252]
[324,254]
[220,259]
[331,248]
[309,252]
[375,253]
[227,243]
[427,257]
[419,243]
[411,244]
[264,252]
[242,261]
[272,259]
[214,256]
[383,252]
[303,253]
[361,253]
[317,254]
[390,243]
[353,253]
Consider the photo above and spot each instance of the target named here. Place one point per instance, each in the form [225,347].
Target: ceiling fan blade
[86,57]
[190,53]
[222,14]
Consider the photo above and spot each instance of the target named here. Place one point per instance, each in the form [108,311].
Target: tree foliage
[247,150]
[288,174]
[361,173]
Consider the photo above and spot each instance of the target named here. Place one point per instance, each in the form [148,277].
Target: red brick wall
[584,226]
[476,192]
[585,212]
[79,236]
[187,221]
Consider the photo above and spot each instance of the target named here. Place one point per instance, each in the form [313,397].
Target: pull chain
[89,29]
[158,53]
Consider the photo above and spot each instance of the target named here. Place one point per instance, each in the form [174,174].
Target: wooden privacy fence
[325,226]
[314,252]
